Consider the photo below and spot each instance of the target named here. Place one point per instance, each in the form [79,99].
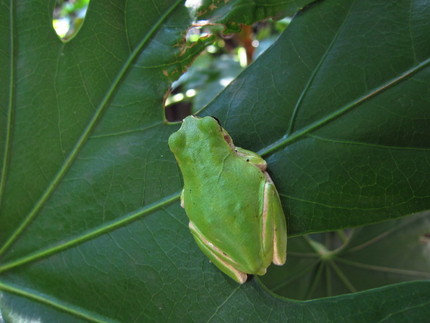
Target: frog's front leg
[251,157]
[274,224]
[182,200]
[217,256]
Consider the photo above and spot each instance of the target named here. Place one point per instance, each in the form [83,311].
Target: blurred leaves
[207,77]
[235,13]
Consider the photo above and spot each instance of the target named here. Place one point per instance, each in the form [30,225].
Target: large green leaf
[88,228]
[342,117]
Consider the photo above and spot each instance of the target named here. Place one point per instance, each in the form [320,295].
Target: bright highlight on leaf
[241,53]
[61,27]
[69,16]
[193,4]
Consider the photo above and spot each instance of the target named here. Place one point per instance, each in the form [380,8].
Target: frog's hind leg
[274,217]
[217,256]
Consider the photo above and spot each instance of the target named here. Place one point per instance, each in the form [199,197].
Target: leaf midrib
[289,139]
[280,143]
[313,75]
[384,269]
[93,233]
[88,129]
[8,139]
[54,303]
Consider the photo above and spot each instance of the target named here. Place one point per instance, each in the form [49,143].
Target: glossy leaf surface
[334,263]
[90,222]
[342,117]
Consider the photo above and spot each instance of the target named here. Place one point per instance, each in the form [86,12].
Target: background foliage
[91,227]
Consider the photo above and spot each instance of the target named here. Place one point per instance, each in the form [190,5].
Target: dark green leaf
[342,117]
[321,265]
[88,228]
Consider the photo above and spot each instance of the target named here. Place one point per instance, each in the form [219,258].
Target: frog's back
[223,193]
[231,215]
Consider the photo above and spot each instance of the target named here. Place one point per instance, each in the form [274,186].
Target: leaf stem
[316,278]
[342,277]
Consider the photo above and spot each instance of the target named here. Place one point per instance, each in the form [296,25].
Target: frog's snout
[176,141]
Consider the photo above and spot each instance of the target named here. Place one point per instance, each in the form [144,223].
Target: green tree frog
[234,209]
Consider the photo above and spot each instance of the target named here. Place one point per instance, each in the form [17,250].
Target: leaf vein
[55,303]
[312,77]
[385,269]
[359,143]
[9,120]
[91,234]
[286,140]
[87,131]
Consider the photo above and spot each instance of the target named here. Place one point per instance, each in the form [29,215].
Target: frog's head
[198,132]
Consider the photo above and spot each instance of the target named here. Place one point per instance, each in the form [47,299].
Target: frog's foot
[275,232]
[217,256]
